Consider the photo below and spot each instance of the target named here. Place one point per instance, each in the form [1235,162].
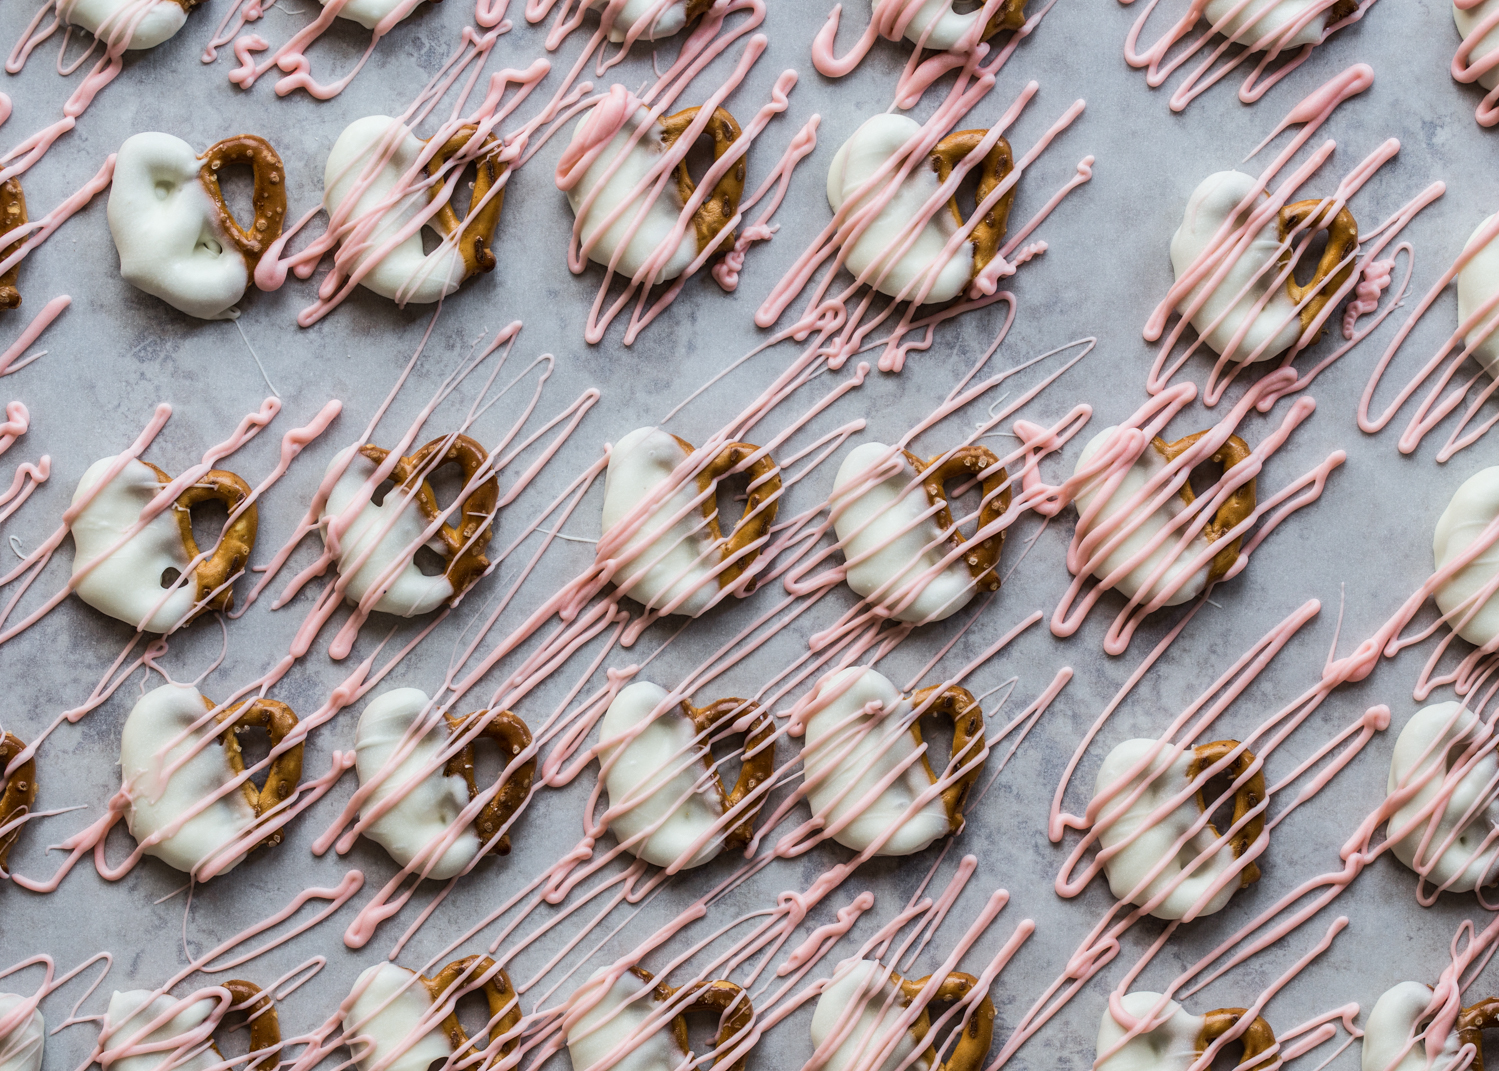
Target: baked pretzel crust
[285,773]
[969,461]
[757,758]
[269,197]
[989,232]
[12,215]
[498,992]
[759,507]
[1472,1022]
[972,1048]
[265,1027]
[1342,240]
[476,239]
[712,217]
[967,740]
[1010,16]
[1248,796]
[1258,1039]
[512,737]
[1232,513]
[19,794]
[212,576]
[717,998]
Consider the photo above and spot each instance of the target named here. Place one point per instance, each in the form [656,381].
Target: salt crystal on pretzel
[174,232]
[896,529]
[875,251]
[160,20]
[128,580]
[1179,1040]
[17,794]
[624,1022]
[12,217]
[391,1023]
[1478,283]
[1472,509]
[1141,836]
[21,1048]
[670,17]
[1277,324]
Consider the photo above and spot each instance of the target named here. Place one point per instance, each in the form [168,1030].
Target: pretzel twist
[512,737]
[265,1027]
[1011,16]
[463,545]
[967,740]
[969,461]
[757,758]
[504,1003]
[12,215]
[214,573]
[972,1048]
[1472,1022]
[19,794]
[285,773]
[989,232]
[1246,797]
[759,507]
[1342,240]
[715,997]
[476,238]
[720,207]
[1232,513]
[1258,1039]
[269,198]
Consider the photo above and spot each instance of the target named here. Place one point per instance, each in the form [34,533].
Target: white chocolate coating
[167,229]
[1391,1025]
[853,165]
[127,584]
[1467,22]
[1127,494]
[1433,742]
[21,1048]
[404,274]
[1262,25]
[888,545]
[392,1024]
[432,805]
[132,1011]
[1116,823]
[671,16]
[1472,508]
[107,18]
[1216,199]
[160,717]
[1477,282]
[1172,1046]
[947,26]
[611,1026]
[659,777]
[410,593]
[849,748]
[368,13]
[661,213]
[858,992]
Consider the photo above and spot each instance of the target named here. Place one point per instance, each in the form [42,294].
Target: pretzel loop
[504,1004]
[1342,241]
[512,737]
[1010,16]
[462,546]
[1258,1039]
[265,1027]
[476,239]
[19,794]
[757,759]
[759,507]
[969,461]
[269,198]
[12,215]
[989,232]
[967,741]
[1472,1022]
[716,997]
[1246,797]
[722,205]
[285,773]
[972,1048]
[215,573]
[1233,512]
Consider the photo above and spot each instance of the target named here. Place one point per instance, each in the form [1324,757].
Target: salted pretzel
[511,736]
[1011,16]
[504,1005]
[664,25]
[476,238]
[131,1012]
[277,719]
[1342,242]
[12,215]
[1234,511]
[391,1014]
[212,574]
[989,232]
[967,462]
[268,198]
[882,996]
[728,1002]
[619,1016]
[1177,1033]
[265,1026]
[18,795]
[759,506]
[711,220]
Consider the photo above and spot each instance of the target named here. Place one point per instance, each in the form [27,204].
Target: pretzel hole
[169,576]
[473,1012]
[237,186]
[1204,477]
[702,1030]
[965,497]
[489,761]
[727,749]
[700,156]
[232,1038]
[1231,1055]
[937,732]
[428,562]
[1221,814]
[729,496]
[209,519]
[385,488]
[254,747]
[1305,268]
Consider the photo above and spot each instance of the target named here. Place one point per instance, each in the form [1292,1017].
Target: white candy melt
[1172,1046]
[873,253]
[937,26]
[1467,22]
[130,1013]
[617,1026]
[21,1047]
[391,1020]
[1276,325]
[856,738]
[1430,745]
[1471,510]
[149,22]
[169,231]
[370,13]
[1392,1025]
[1265,24]
[892,551]
[862,1007]
[383,540]
[1477,283]
[432,800]
[1148,522]
[160,717]
[669,17]
[403,273]
[127,583]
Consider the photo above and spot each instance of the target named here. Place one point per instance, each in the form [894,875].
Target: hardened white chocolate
[670,16]
[661,212]
[106,19]
[21,1048]
[382,539]
[1472,509]
[890,548]
[854,165]
[161,716]
[618,1023]
[127,584]
[368,13]
[1431,743]
[870,1027]
[658,780]
[168,230]
[1277,322]
[403,273]
[854,742]
[947,27]
[1392,1024]
[1468,21]
[428,810]
[1265,24]
[1145,467]
[1477,283]
[1172,1046]
[394,1024]
[129,1013]
[1117,823]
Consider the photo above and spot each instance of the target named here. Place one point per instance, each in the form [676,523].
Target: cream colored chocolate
[1467,22]
[21,1048]
[149,22]
[1473,508]
[655,19]
[1478,282]
[624,1023]
[394,1022]
[172,1046]
[1178,1042]
[936,25]
[1282,25]
[1397,1016]
[1191,872]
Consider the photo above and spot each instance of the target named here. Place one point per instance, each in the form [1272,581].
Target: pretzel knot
[740,549]
[213,575]
[718,209]
[728,1002]
[12,216]
[1472,1021]
[997,164]
[265,1027]
[512,737]
[476,237]
[268,199]
[968,462]
[757,758]
[18,795]
[1234,511]
[967,743]
[504,1004]
[285,773]
[1342,243]
[972,1047]
[1257,1038]
[1247,797]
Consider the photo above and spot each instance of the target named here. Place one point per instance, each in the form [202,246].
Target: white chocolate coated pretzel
[1265,24]
[1467,22]
[130,1011]
[21,1049]
[1472,509]
[670,17]
[1393,1021]
[1478,281]
[623,1026]
[391,1025]
[106,18]
[1178,1042]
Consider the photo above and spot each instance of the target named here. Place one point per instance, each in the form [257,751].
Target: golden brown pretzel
[969,461]
[269,197]
[972,1048]
[1010,16]
[989,232]
[265,1027]
[967,741]
[285,773]
[757,763]
[718,208]
[1342,239]
[1248,796]
[463,546]
[19,794]
[1258,1039]
[754,523]
[476,240]
[213,573]
[504,1005]
[1232,513]
[12,215]
[1472,1022]
[716,997]
[512,737]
